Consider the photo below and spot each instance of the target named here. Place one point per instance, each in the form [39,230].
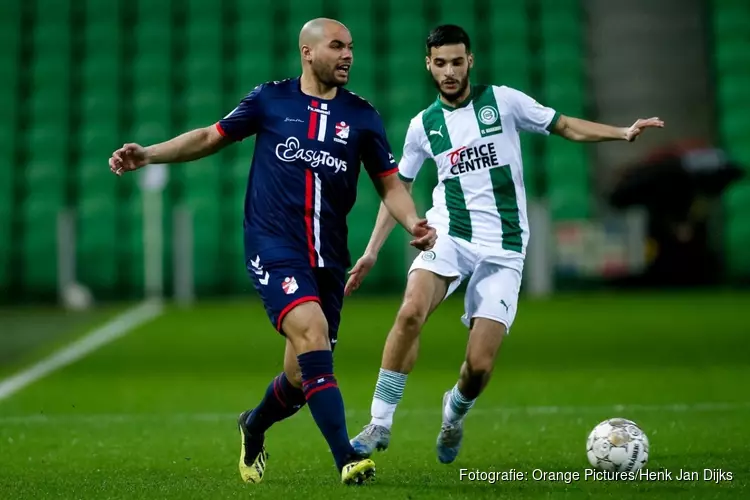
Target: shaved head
[315,30]
[326,51]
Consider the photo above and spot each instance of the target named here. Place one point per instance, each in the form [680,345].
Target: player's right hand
[424,236]
[359,272]
[128,158]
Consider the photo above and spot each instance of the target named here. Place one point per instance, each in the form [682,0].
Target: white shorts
[494,278]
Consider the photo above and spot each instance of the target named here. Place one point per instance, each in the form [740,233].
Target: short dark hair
[448,34]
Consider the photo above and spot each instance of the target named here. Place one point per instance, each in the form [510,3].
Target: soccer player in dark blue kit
[311,136]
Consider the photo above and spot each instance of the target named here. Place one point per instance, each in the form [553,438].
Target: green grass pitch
[152,415]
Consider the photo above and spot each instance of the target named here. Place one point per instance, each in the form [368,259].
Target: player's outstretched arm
[384,224]
[576,129]
[189,146]
[393,201]
[398,201]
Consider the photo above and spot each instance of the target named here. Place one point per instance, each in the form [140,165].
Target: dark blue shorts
[285,281]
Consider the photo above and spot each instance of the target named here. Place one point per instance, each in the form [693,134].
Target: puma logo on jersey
[502,303]
[437,132]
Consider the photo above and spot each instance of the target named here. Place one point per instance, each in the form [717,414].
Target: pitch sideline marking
[108,418]
[110,331]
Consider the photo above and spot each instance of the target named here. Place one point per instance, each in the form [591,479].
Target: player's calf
[484,341]
[475,374]
[283,397]
[399,356]
[307,329]
[424,292]
[281,401]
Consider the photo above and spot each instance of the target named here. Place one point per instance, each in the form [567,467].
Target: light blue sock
[388,393]
[458,406]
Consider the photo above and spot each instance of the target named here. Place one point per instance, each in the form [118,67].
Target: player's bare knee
[479,365]
[411,317]
[480,359]
[315,332]
[485,339]
[292,370]
[294,376]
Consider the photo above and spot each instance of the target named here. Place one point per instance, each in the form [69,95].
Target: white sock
[457,407]
[382,413]
[388,393]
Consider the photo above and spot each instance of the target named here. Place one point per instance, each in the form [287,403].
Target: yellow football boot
[358,472]
[251,468]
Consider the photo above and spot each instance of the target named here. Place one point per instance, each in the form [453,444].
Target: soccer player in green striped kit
[479,211]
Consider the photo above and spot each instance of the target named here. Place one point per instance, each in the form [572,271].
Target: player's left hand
[358,272]
[424,235]
[640,125]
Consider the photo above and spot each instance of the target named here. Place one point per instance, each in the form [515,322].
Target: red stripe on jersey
[309,209]
[387,172]
[312,128]
[220,129]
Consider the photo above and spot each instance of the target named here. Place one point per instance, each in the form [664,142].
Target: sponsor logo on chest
[470,158]
[291,150]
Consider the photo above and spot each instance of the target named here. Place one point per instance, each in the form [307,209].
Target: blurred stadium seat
[732,66]
[94,79]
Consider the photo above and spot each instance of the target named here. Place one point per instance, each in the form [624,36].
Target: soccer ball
[618,445]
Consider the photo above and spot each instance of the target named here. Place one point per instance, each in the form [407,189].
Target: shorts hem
[288,308]
[446,276]
[455,279]
[467,321]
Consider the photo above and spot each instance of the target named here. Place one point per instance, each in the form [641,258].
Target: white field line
[621,410]
[114,329]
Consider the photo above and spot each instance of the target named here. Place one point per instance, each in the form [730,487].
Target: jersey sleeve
[530,115]
[414,154]
[376,153]
[245,119]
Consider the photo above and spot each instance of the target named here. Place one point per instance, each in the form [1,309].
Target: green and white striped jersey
[480,196]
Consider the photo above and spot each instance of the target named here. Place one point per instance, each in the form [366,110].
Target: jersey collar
[466,102]
[298,81]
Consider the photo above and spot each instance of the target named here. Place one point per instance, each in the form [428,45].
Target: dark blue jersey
[304,171]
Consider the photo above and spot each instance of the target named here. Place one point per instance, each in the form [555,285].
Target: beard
[327,75]
[453,96]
